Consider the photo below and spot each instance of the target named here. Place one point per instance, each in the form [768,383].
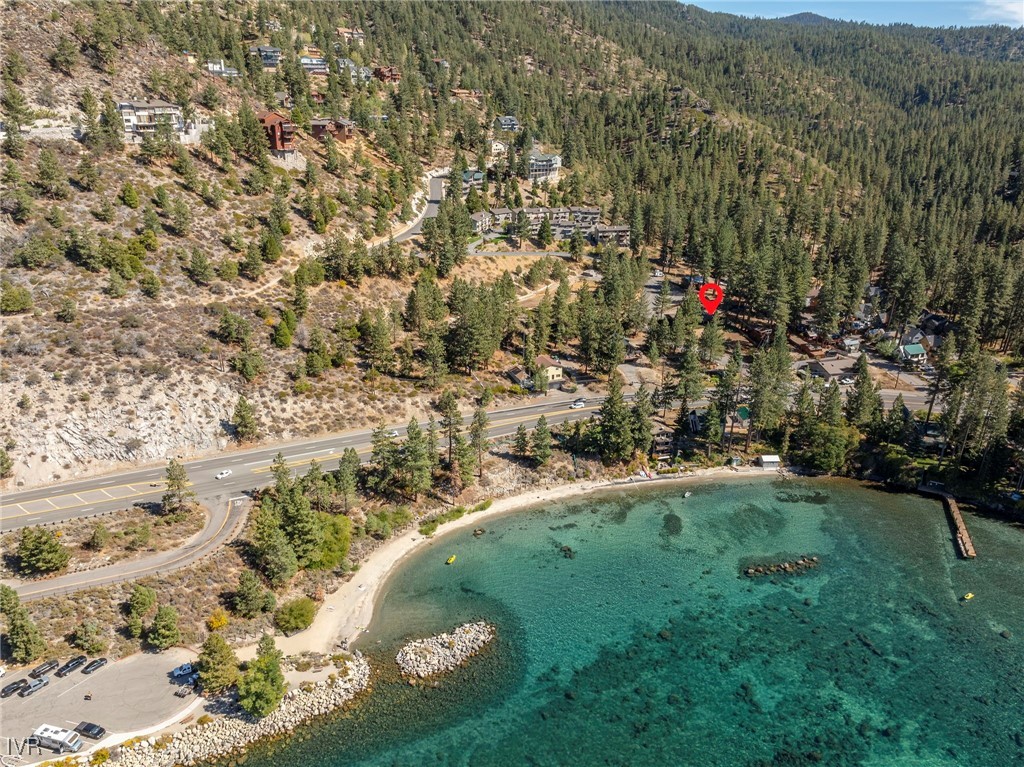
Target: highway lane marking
[300,461]
[149,490]
[129,573]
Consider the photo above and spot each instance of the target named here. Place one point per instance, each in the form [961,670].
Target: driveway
[129,695]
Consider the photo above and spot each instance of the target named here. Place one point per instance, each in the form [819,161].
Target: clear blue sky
[923,13]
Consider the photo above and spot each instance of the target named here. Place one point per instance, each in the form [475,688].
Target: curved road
[226,498]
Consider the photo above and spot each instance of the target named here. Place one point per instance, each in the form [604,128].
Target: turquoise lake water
[650,647]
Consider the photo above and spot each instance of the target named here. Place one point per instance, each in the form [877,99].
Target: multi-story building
[142,117]
[387,74]
[357,73]
[352,36]
[267,54]
[544,167]
[340,129]
[507,123]
[280,132]
[220,69]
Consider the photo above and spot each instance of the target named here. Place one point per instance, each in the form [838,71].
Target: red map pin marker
[711,296]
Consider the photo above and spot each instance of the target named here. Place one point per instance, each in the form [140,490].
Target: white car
[577,405]
[183,670]
[846,381]
[393,434]
[223,473]
[659,273]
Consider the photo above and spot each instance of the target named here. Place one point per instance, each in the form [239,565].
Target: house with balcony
[144,117]
[357,73]
[351,35]
[268,55]
[220,69]
[314,65]
[340,130]
[507,123]
[543,167]
[616,235]
[280,133]
[388,74]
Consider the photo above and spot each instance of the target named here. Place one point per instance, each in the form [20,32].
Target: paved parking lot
[129,695]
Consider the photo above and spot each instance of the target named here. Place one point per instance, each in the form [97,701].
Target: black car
[71,665]
[95,665]
[13,687]
[90,730]
[43,670]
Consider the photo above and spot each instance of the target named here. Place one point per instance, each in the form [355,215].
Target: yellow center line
[366,450]
[77,496]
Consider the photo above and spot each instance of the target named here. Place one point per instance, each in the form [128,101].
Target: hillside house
[550,369]
[544,167]
[220,69]
[769,462]
[283,99]
[352,35]
[912,335]
[465,94]
[833,369]
[481,221]
[357,73]
[507,123]
[143,117]
[472,178]
[850,344]
[314,65]
[280,133]
[520,377]
[388,74]
[617,235]
[913,354]
[340,130]
[499,149]
[268,55]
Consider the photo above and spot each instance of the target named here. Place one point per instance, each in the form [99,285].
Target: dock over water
[961,536]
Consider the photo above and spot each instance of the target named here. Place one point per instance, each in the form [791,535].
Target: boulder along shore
[229,735]
[444,652]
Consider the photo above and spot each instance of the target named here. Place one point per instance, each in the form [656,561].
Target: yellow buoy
[968,595]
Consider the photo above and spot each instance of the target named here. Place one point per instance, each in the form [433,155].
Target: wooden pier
[961,537]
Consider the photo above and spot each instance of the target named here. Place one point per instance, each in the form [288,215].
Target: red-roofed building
[280,132]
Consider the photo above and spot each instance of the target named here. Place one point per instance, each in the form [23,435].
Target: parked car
[90,730]
[659,273]
[71,665]
[192,679]
[13,687]
[3,671]
[223,473]
[846,381]
[183,670]
[42,670]
[95,666]
[33,687]
[182,692]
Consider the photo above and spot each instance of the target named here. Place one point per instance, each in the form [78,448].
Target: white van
[60,740]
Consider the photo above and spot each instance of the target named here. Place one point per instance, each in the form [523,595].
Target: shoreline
[346,614]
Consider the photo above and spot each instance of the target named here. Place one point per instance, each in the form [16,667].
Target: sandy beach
[346,613]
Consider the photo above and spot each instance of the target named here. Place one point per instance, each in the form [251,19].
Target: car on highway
[90,730]
[33,687]
[183,670]
[95,666]
[71,665]
[43,669]
[223,473]
[393,434]
[13,687]
[578,404]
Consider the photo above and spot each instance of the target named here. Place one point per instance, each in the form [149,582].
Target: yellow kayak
[451,559]
[968,595]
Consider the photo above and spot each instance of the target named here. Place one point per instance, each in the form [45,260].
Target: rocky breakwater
[796,567]
[231,734]
[426,657]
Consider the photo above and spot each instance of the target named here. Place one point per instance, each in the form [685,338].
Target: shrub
[218,619]
[295,615]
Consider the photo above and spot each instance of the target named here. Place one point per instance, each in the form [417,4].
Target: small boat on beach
[451,560]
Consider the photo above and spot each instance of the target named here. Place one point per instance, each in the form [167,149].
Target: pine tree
[711,430]
[250,598]
[830,408]
[177,497]
[262,688]
[616,433]
[451,418]
[642,426]
[199,269]
[247,428]
[541,442]
[164,632]
[51,180]
[863,402]
[712,343]
[416,463]
[23,636]
[302,526]
[521,445]
[478,437]
[464,464]
[346,478]
[39,551]
[218,665]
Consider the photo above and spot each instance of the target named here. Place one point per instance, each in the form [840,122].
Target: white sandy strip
[347,612]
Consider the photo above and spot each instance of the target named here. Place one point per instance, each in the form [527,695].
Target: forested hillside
[772,157]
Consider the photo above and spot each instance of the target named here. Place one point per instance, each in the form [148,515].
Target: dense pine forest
[773,158]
